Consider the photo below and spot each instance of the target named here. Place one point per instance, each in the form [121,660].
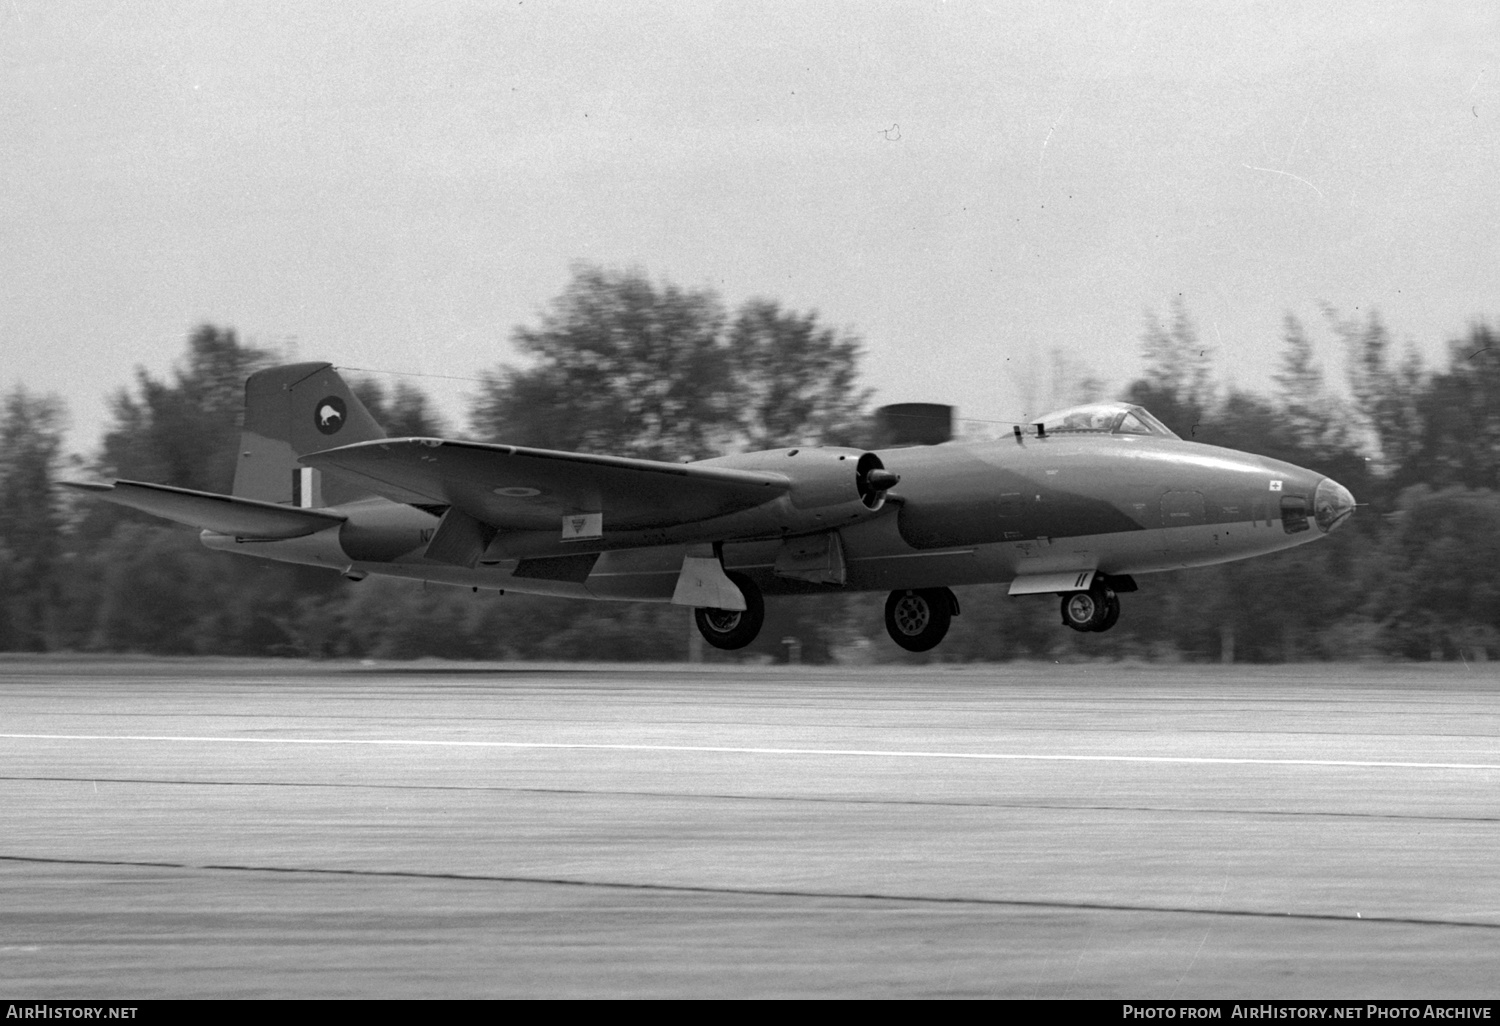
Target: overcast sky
[969,186]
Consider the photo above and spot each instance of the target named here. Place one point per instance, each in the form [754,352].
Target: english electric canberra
[1076,505]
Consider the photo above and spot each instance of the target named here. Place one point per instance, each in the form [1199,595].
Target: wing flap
[515,488]
[225,514]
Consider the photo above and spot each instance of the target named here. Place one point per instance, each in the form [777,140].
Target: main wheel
[1094,610]
[730,628]
[917,619]
[1111,613]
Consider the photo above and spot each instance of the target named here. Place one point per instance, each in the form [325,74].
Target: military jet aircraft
[1076,504]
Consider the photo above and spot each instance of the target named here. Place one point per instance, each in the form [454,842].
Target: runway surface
[283,829]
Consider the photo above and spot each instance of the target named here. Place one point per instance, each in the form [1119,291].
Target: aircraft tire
[918,618]
[730,629]
[1090,610]
[1111,613]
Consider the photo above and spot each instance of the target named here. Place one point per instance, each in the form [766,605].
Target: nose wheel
[918,618]
[1094,610]
[732,628]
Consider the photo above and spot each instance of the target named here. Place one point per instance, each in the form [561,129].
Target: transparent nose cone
[1332,504]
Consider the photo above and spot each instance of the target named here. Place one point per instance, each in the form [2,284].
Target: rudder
[290,411]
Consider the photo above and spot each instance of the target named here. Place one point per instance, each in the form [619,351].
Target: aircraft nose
[1332,504]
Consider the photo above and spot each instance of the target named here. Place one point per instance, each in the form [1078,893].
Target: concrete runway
[270,829]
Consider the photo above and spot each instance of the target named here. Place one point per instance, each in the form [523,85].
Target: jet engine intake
[830,486]
[836,477]
[873,480]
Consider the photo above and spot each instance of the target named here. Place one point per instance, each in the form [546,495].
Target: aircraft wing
[225,514]
[515,488]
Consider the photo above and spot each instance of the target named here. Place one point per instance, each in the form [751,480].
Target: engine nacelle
[831,486]
[376,531]
[830,477]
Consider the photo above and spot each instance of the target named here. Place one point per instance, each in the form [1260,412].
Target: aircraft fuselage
[962,514]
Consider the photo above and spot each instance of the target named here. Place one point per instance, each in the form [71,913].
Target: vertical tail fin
[291,411]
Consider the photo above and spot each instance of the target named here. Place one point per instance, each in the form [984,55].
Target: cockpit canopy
[1104,419]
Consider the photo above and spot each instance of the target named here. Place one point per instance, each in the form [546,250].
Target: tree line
[623,364]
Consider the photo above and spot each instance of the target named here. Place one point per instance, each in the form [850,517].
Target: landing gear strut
[918,618]
[1094,610]
[731,628]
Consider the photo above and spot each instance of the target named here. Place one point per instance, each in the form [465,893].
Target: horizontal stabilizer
[224,514]
[514,488]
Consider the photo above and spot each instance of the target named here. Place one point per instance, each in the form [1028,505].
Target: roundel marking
[517,493]
[329,415]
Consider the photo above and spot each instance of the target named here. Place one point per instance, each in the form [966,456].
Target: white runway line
[870,753]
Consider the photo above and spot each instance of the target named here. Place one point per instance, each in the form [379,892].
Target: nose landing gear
[1094,610]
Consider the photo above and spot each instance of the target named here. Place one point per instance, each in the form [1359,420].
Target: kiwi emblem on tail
[329,415]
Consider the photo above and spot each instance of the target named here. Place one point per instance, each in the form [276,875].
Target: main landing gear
[730,628]
[1094,610]
[918,618]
